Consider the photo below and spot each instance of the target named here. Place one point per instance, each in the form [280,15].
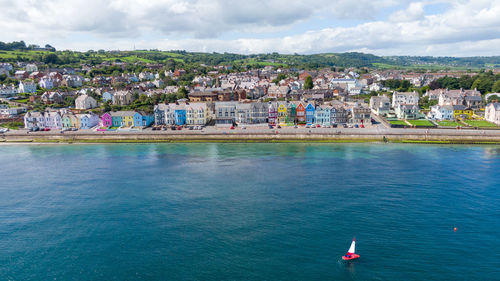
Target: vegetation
[398,122]
[308,83]
[421,123]
[12,125]
[446,123]
[480,123]
[485,82]
[19,51]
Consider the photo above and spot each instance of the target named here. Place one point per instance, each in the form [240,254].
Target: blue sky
[382,27]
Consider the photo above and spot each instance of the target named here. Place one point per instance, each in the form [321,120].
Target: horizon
[381,28]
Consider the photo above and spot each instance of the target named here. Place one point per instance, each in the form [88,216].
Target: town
[113,96]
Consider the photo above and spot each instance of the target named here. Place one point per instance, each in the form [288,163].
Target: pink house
[106,120]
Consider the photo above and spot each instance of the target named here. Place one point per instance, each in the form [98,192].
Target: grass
[12,125]
[480,123]
[398,122]
[448,123]
[422,123]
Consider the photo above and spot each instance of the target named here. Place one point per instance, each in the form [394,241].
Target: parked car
[232,128]
[179,128]
[361,126]
[295,126]
[334,125]
[74,129]
[243,128]
[279,127]
[270,126]
[345,126]
[356,126]
[173,128]
[318,126]
[308,126]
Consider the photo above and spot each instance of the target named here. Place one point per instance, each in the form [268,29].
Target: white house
[398,98]
[380,105]
[492,113]
[439,112]
[107,96]
[7,91]
[47,83]
[46,119]
[85,102]
[88,121]
[31,67]
[27,87]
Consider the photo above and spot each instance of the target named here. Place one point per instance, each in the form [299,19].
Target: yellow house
[128,120]
[462,112]
[282,114]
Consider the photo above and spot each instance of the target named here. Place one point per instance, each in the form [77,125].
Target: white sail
[352,248]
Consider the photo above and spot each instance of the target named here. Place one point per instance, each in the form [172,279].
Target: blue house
[107,96]
[147,119]
[310,111]
[322,115]
[137,119]
[180,117]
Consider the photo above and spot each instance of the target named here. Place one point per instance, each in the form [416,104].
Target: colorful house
[310,111]
[147,119]
[69,120]
[291,113]
[106,120]
[301,113]
[180,116]
[272,114]
[122,118]
[322,115]
[462,112]
[88,121]
[137,117]
[282,114]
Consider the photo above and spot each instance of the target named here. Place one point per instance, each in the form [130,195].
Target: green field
[398,122]
[480,123]
[448,123]
[421,123]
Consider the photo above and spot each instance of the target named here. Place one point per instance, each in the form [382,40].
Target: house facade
[85,102]
[492,113]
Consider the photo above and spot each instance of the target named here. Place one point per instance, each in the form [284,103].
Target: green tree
[496,87]
[308,84]
[182,93]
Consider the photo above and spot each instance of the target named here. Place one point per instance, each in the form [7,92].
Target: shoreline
[346,136]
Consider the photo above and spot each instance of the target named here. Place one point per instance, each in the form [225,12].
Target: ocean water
[249,212]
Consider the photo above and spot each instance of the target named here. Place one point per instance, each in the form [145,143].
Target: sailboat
[350,253]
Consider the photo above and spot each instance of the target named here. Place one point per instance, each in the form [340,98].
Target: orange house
[301,113]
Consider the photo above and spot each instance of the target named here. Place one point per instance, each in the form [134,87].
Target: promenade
[262,134]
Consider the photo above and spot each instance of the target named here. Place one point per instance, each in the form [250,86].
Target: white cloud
[464,28]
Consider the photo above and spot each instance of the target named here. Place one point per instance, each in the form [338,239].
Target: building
[361,115]
[492,113]
[27,87]
[31,67]
[85,102]
[310,114]
[259,112]
[123,98]
[272,111]
[407,111]
[52,97]
[282,113]
[196,113]
[51,119]
[88,121]
[441,112]
[106,120]
[380,105]
[462,112]
[225,113]
[410,98]
[301,113]
[107,96]
[323,115]
[338,115]
[46,83]
[7,91]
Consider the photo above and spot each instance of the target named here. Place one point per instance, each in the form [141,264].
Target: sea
[228,211]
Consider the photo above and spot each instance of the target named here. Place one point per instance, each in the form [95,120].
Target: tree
[496,87]
[182,93]
[308,84]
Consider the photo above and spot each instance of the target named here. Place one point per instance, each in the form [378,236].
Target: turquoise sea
[249,212]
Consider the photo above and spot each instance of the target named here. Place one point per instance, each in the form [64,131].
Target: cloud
[463,28]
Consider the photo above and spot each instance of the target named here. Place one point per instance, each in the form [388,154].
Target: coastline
[318,136]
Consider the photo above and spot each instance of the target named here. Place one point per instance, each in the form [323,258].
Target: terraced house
[282,113]
[310,112]
[196,114]
[322,115]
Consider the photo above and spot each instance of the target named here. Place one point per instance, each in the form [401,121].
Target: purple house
[106,120]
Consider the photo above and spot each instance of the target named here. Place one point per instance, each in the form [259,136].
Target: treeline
[485,82]
[21,45]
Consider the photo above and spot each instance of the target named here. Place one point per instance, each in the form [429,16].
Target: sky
[380,27]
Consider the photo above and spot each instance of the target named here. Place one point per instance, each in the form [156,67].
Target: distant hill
[18,51]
